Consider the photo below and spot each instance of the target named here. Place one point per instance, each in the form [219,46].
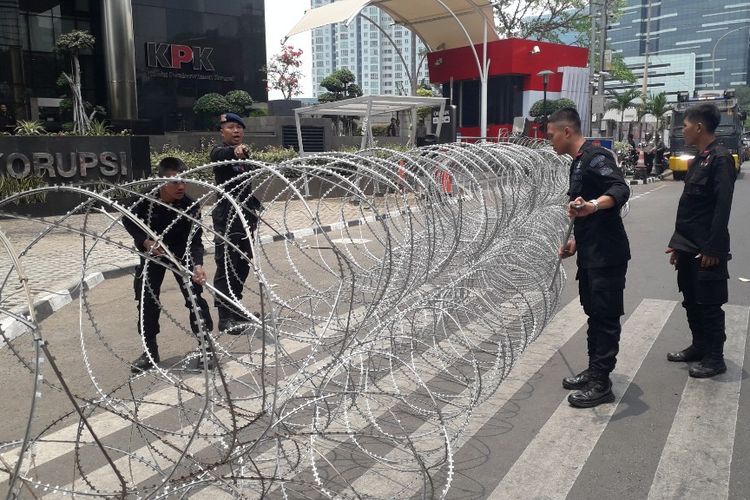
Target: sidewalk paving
[55,268]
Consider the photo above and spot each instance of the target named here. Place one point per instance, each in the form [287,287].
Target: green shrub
[100,128]
[191,159]
[380,130]
[258,112]
[30,127]
[11,185]
[274,155]
[538,110]
[239,101]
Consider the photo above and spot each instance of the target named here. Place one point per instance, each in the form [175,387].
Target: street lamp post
[713,55]
[545,79]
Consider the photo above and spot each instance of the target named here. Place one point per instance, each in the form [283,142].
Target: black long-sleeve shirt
[178,238]
[228,171]
[601,240]
[702,224]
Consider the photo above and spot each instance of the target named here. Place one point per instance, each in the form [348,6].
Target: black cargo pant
[704,291]
[601,291]
[232,266]
[150,307]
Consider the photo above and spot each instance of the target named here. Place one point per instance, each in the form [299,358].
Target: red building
[513,84]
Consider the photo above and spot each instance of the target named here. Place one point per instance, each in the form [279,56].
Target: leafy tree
[622,101]
[209,106]
[538,111]
[66,105]
[582,28]
[620,71]
[72,44]
[540,19]
[212,104]
[657,105]
[424,111]
[239,102]
[341,85]
[283,72]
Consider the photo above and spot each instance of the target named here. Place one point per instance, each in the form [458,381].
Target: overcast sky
[281,16]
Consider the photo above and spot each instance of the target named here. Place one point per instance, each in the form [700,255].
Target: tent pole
[485,78]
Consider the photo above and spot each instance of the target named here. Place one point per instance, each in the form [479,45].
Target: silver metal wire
[396,291]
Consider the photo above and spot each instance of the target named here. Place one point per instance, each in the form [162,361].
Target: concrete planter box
[71,160]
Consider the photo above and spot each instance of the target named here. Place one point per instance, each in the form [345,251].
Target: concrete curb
[50,303]
[641,182]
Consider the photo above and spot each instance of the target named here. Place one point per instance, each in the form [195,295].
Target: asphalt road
[666,437]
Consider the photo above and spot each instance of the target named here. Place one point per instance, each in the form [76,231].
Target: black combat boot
[598,391]
[143,363]
[577,382]
[708,368]
[712,363]
[697,349]
[688,355]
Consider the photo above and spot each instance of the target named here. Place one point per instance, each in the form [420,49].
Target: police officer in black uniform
[183,239]
[232,266]
[597,192]
[699,247]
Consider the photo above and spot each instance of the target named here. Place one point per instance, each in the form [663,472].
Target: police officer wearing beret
[232,266]
[178,233]
[597,192]
[699,248]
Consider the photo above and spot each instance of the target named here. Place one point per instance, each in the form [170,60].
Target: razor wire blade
[390,294]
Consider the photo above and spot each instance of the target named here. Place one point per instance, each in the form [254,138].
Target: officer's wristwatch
[595,202]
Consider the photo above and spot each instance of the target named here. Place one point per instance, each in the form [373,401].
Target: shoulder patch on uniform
[599,163]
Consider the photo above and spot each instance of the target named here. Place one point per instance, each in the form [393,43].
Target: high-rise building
[700,27]
[364,50]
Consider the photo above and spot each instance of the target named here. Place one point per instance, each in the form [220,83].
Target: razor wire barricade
[390,294]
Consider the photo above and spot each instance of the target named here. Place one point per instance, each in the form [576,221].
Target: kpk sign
[176,56]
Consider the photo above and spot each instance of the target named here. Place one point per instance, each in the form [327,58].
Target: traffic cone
[640,167]
[447,183]
[641,160]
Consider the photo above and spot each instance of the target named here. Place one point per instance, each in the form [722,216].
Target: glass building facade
[182,50]
[699,27]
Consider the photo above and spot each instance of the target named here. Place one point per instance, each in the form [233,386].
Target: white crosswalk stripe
[562,327]
[563,445]
[695,461]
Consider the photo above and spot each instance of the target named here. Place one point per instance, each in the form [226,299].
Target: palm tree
[622,101]
[657,106]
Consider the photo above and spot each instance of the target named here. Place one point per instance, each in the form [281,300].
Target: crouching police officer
[183,239]
[232,266]
[699,247]
[597,192]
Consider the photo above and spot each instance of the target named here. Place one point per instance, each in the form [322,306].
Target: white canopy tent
[441,24]
[434,21]
[367,106]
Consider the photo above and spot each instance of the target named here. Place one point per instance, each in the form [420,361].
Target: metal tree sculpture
[72,44]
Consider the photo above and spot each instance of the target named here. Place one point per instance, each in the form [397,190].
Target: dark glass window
[470,103]
[231,37]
